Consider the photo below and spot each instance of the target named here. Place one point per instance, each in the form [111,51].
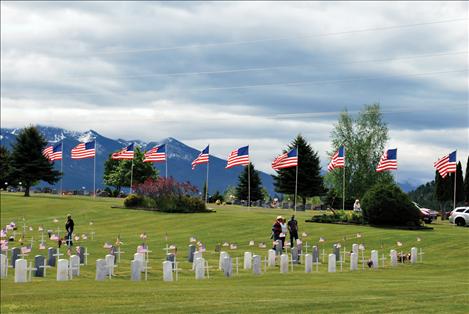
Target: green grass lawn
[439,284]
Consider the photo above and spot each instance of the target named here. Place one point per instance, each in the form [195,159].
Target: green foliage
[216,197]
[444,190]
[425,195]
[230,194]
[466,182]
[310,182]
[28,163]
[255,183]
[133,200]
[388,205]
[364,139]
[6,170]
[117,173]
[340,216]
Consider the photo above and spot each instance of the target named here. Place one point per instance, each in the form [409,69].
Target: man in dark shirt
[69,225]
[293,229]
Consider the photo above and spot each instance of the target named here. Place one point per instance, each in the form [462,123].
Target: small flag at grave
[141,249]
[91,223]
[25,249]
[84,237]
[226,244]
[199,243]
[304,234]
[4,247]
[107,245]
[77,238]
[321,240]
[3,233]
[418,239]
[56,220]
[361,247]
[54,237]
[192,240]
[12,224]
[287,244]
[399,243]
[9,227]
[233,246]
[42,246]
[40,228]
[202,248]
[69,252]
[262,245]
[338,245]
[298,242]
[251,243]
[172,247]
[359,235]
[30,228]
[78,250]
[143,236]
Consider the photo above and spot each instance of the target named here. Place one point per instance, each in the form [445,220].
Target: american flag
[321,240]
[53,152]
[446,164]
[25,249]
[125,153]
[286,160]
[78,250]
[238,157]
[3,233]
[338,160]
[84,150]
[388,161]
[107,245]
[4,246]
[156,154]
[42,246]
[202,158]
[54,237]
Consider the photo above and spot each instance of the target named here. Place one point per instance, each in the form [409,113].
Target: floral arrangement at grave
[166,195]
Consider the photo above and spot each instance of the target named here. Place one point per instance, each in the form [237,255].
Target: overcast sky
[242,73]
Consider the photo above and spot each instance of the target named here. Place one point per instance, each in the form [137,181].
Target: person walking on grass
[69,225]
[293,229]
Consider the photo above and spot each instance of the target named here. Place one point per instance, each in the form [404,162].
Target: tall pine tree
[28,163]
[6,170]
[309,178]
[466,182]
[255,183]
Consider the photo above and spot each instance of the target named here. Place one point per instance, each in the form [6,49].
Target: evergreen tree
[364,139]
[466,182]
[255,183]
[310,182]
[6,170]
[28,163]
[117,173]
[459,184]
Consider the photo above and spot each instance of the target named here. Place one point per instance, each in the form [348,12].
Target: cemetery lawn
[438,285]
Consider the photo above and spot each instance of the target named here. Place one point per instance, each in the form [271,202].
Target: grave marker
[227,266]
[21,270]
[220,261]
[135,270]
[15,252]
[190,254]
[271,258]
[199,264]
[294,256]
[3,266]
[62,270]
[101,269]
[75,265]
[167,271]
[247,260]
[331,265]
[393,255]
[308,263]
[196,256]
[39,262]
[413,255]
[284,263]
[256,265]
[374,258]
[354,261]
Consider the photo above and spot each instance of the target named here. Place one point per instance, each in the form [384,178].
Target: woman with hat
[277,229]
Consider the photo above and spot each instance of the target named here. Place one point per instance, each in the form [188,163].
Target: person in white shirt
[357,207]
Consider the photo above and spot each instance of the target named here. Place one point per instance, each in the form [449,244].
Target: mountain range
[79,173]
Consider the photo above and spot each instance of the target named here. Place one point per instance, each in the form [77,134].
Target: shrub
[133,200]
[388,205]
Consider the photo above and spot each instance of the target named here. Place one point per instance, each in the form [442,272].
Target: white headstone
[413,255]
[227,266]
[101,269]
[110,259]
[136,270]
[393,255]
[332,262]
[247,260]
[220,261]
[354,261]
[374,258]
[3,266]
[308,263]
[294,253]
[167,271]
[141,258]
[256,264]
[355,248]
[75,265]
[21,274]
[271,258]
[284,263]
[62,270]
[199,268]
[315,254]
[196,256]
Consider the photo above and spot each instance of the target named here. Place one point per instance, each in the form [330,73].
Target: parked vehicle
[460,216]
[426,214]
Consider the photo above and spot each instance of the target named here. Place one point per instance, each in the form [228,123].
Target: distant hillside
[425,195]
[79,173]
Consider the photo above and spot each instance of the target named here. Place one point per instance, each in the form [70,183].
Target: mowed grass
[438,285]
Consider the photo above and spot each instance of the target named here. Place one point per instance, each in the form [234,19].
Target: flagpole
[94,167]
[61,170]
[249,184]
[131,175]
[454,197]
[166,159]
[296,178]
[206,185]
[343,185]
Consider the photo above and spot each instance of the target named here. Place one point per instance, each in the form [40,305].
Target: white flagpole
[455,174]
[131,175]
[343,184]
[167,156]
[296,178]
[61,170]
[249,184]
[206,184]
[94,167]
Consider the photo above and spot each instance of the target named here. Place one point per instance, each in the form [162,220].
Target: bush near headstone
[388,205]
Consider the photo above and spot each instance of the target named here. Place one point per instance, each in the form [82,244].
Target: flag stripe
[202,158]
[84,150]
[156,154]
[446,164]
[238,157]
